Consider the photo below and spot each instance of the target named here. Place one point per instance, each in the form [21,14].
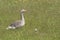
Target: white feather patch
[9,27]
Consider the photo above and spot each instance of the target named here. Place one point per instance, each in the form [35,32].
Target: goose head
[23,10]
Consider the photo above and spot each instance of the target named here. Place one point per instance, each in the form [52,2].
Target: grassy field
[41,14]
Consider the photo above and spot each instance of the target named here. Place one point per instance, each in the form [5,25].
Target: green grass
[41,14]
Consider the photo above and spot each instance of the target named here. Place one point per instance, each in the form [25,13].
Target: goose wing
[16,24]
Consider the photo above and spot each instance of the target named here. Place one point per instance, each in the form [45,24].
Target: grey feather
[16,24]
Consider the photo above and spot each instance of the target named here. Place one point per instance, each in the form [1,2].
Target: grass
[41,14]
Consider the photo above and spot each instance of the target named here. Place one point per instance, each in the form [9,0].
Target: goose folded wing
[16,24]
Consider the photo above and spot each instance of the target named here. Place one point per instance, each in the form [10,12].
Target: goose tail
[9,27]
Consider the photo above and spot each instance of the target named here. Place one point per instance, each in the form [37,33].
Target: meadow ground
[41,14]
